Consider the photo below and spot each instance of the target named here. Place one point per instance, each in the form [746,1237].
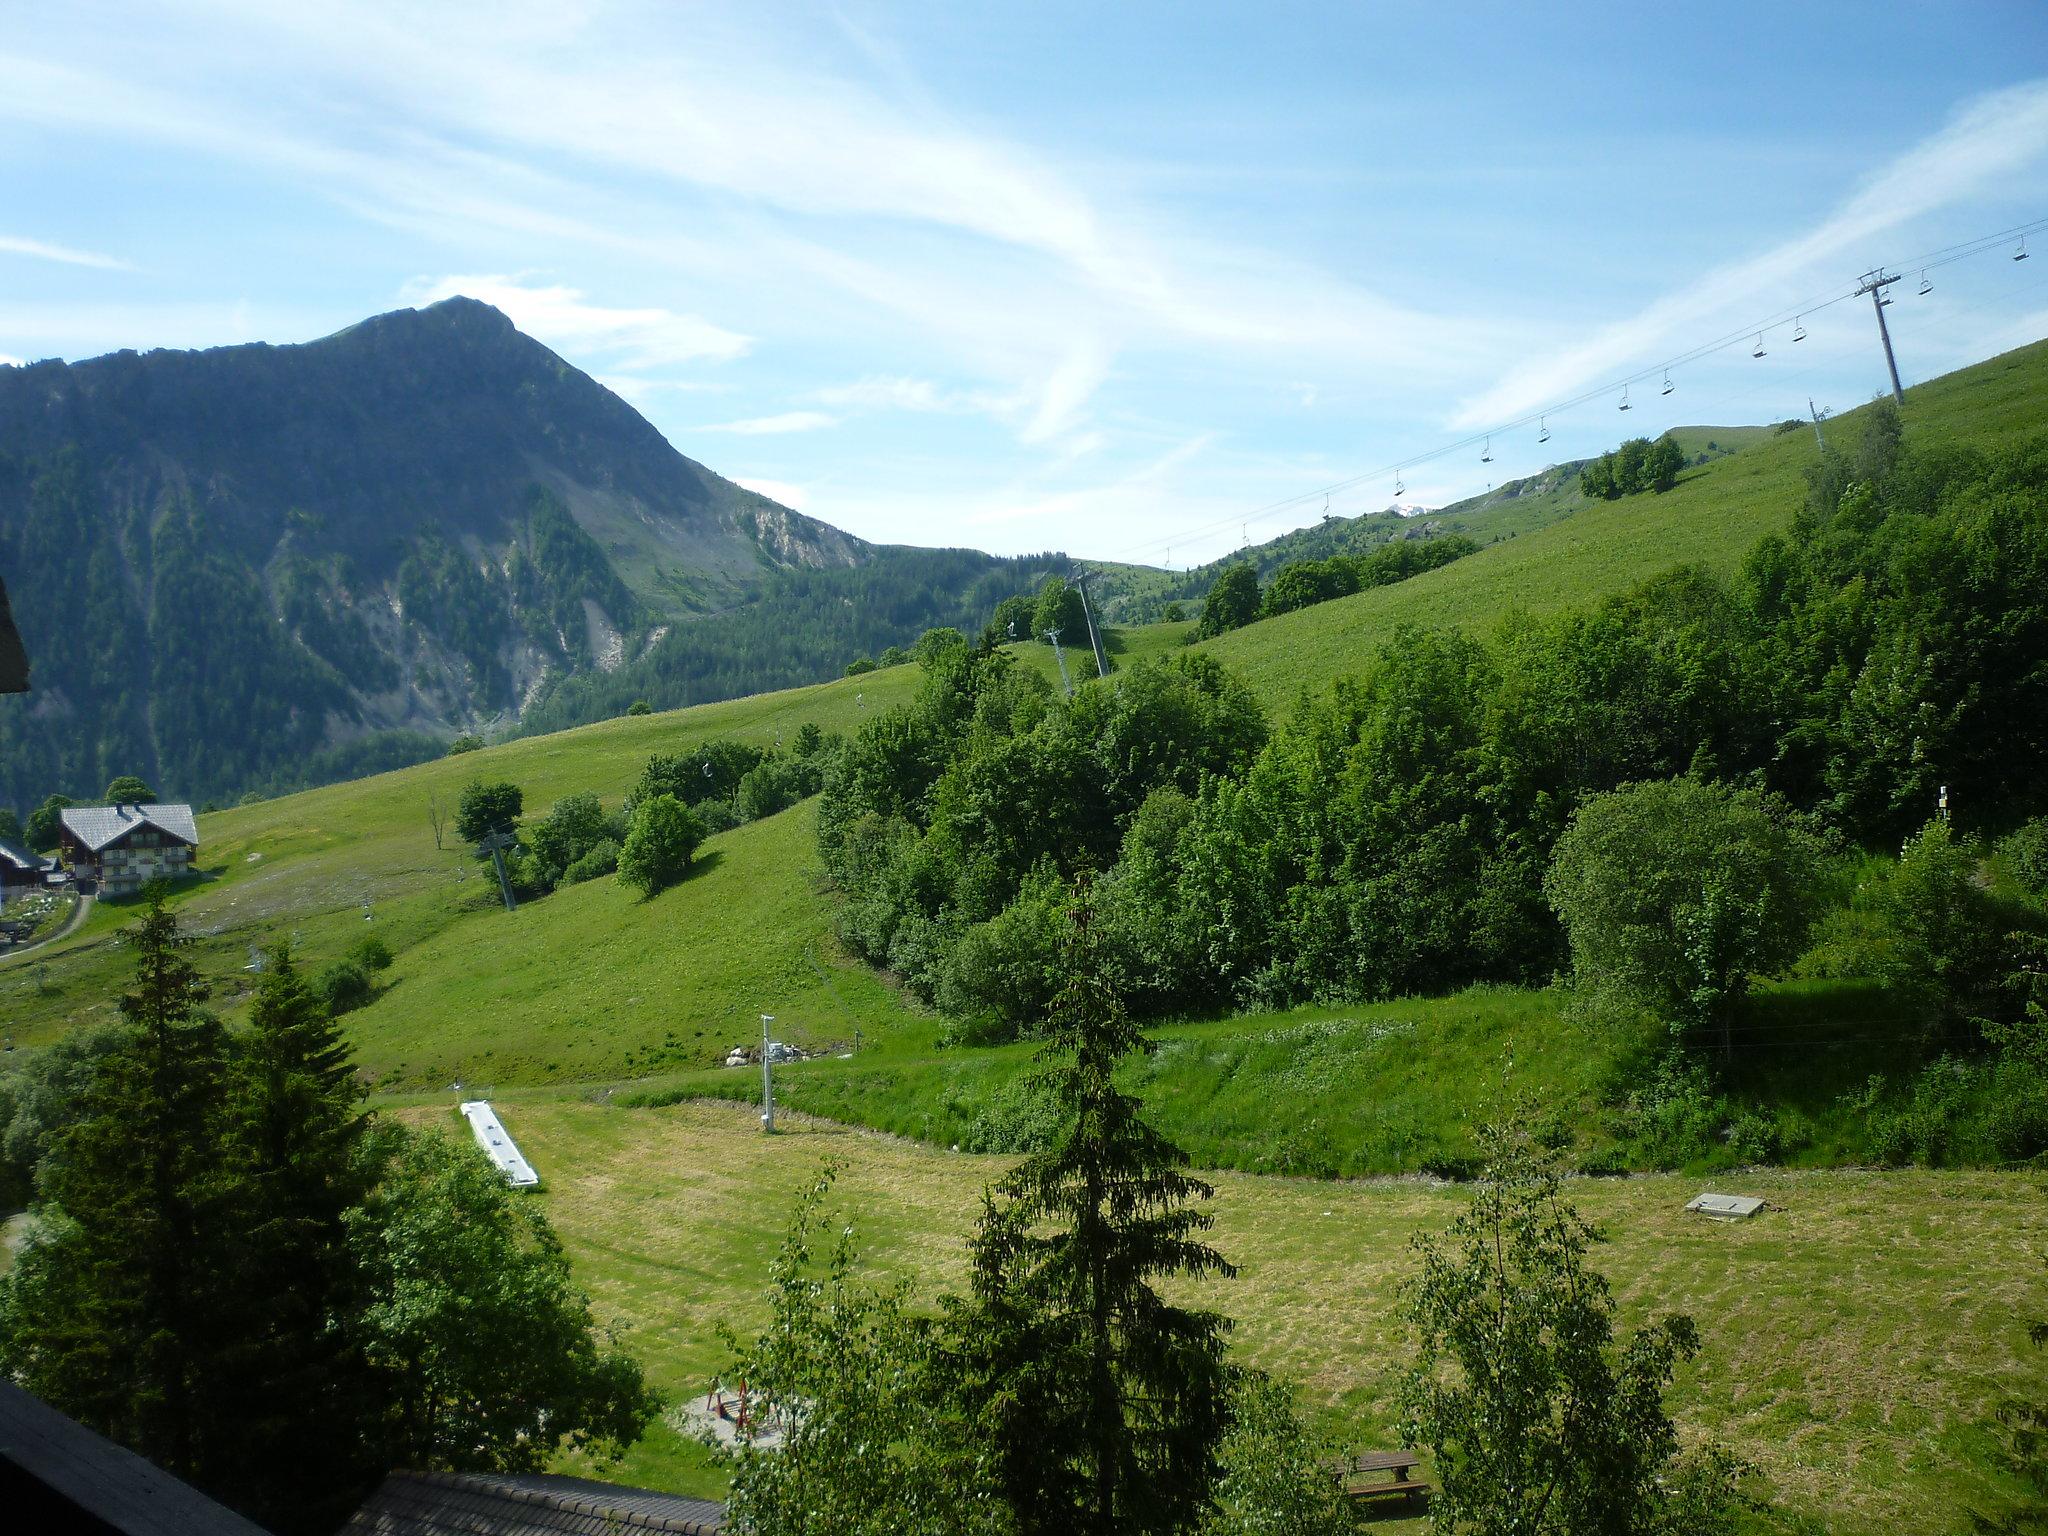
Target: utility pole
[1060,656]
[1874,284]
[1088,614]
[767,1080]
[495,845]
[1816,424]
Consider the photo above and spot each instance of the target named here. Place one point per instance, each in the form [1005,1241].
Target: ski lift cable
[1926,261]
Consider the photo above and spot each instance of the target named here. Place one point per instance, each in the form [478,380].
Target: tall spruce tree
[120,1302]
[1104,1404]
[306,1446]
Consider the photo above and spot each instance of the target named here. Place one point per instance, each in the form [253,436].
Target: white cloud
[778,490]
[42,250]
[562,316]
[637,389]
[769,426]
[1992,137]
[11,362]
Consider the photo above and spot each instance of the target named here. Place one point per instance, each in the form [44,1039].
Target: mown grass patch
[1856,1339]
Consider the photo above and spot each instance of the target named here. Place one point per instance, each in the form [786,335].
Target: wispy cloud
[1993,136]
[43,250]
[770,426]
[630,338]
[778,490]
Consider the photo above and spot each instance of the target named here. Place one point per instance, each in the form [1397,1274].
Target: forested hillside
[262,566]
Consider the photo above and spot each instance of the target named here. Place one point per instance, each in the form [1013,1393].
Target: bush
[2025,853]
[1948,935]
[639,707]
[602,859]
[660,843]
[487,809]
[1673,893]
[717,815]
[465,743]
[371,953]
[343,986]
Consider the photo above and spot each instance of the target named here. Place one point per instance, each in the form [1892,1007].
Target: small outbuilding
[121,848]
[21,870]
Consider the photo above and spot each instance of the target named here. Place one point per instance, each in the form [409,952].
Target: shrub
[659,845]
[639,707]
[602,859]
[466,742]
[371,953]
[343,986]
[1673,893]
[487,809]
[2026,856]
[717,815]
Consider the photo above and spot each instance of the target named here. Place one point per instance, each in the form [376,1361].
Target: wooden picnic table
[1358,1473]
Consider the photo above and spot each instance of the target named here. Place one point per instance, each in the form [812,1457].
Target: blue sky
[1109,278]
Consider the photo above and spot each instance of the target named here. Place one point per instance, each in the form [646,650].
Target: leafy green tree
[1014,617]
[371,953]
[1662,465]
[307,1408]
[1102,1404]
[711,770]
[468,741]
[847,1376]
[1174,614]
[44,821]
[576,824]
[1273,1480]
[41,1093]
[601,859]
[488,809]
[1673,893]
[936,647]
[1539,1421]
[485,1351]
[129,790]
[859,665]
[1232,603]
[10,826]
[1950,947]
[125,1294]
[661,840]
[639,707]
[1059,607]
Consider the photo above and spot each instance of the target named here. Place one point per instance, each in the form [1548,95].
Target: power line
[1925,262]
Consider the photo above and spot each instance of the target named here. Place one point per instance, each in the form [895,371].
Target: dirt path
[64,930]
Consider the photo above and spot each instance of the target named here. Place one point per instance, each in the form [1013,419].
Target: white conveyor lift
[498,1144]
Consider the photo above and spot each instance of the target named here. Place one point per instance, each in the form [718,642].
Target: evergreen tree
[1104,1404]
[121,1300]
[300,1379]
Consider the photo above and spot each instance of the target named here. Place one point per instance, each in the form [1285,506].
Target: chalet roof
[65,1477]
[98,825]
[13,659]
[536,1504]
[18,857]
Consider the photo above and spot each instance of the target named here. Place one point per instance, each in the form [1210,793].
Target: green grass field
[1712,517]
[1856,1338]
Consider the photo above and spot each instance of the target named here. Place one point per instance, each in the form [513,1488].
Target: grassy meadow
[1856,1337]
[1712,517]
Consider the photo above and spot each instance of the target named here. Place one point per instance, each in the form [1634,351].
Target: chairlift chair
[1798,328]
[1668,385]
[1486,453]
[1926,284]
[1399,488]
[1624,399]
[1759,352]
[1542,429]
[2021,253]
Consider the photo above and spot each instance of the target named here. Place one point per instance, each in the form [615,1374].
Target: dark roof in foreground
[57,1475]
[13,659]
[531,1504]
